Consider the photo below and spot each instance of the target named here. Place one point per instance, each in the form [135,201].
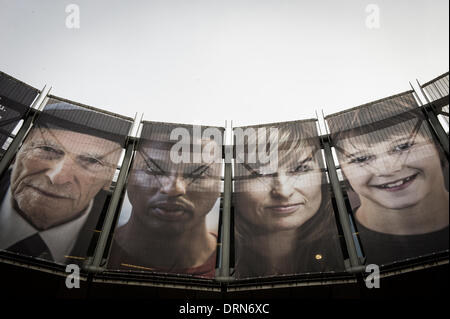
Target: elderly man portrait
[53,194]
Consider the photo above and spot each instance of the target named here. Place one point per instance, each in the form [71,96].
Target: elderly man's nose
[174,186]
[61,172]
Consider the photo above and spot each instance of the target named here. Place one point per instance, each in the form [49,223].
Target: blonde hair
[319,230]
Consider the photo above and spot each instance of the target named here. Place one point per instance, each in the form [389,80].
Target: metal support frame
[94,264]
[438,129]
[355,264]
[434,121]
[224,270]
[22,133]
[223,273]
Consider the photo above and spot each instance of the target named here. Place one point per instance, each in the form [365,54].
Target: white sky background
[206,61]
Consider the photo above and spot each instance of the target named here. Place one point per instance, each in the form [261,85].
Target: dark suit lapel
[88,231]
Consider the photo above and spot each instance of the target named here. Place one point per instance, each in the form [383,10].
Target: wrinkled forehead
[72,141]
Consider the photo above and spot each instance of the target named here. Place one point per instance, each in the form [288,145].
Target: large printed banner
[397,178]
[169,220]
[54,192]
[15,100]
[283,215]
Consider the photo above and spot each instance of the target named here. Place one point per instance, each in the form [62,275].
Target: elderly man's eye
[90,160]
[49,151]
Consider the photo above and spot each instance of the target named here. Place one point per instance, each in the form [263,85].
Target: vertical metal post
[355,264]
[21,134]
[94,266]
[438,129]
[433,121]
[224,270]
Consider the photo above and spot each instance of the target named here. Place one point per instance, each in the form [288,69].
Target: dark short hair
[377,121]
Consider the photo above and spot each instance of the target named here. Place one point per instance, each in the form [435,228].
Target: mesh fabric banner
[284,221]
[397,178]
[55,191]
[15,100]
[168,222]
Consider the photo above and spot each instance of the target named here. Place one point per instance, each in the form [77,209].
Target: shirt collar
[13,228]
[60,240]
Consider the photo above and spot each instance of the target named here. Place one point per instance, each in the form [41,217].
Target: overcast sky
[205,61]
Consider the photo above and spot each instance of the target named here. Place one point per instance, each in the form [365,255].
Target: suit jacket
[87,233]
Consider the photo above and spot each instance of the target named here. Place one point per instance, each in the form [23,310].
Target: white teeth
[396,184]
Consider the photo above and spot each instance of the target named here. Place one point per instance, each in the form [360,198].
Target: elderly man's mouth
[48,194]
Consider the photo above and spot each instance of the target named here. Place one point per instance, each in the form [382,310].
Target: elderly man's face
[57,173]
[169,197]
